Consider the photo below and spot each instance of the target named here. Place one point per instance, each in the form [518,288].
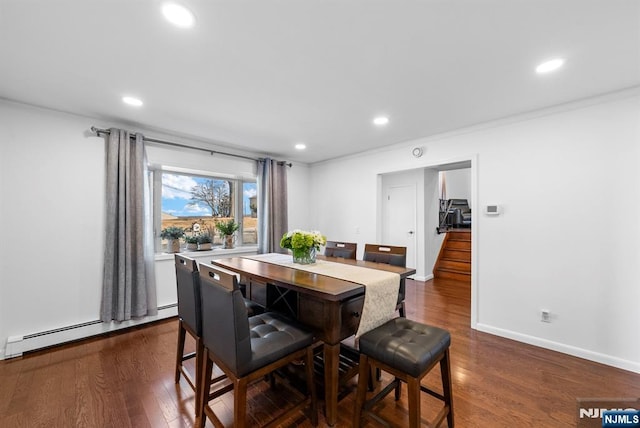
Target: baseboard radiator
[18,345]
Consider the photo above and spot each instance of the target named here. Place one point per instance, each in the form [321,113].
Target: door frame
[421,236]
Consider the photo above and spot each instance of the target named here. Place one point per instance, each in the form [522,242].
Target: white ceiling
[264,74]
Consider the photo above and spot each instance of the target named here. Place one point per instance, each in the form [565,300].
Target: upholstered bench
[408,350]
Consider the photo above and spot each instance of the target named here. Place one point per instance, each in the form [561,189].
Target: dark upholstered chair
[189,319]
[345,250]
[246,349]
[408,350]
[460,213]
[388,254]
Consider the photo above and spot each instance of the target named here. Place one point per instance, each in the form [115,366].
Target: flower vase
[304,256]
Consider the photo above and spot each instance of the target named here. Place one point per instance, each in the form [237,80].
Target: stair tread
[444,269]
[452,259]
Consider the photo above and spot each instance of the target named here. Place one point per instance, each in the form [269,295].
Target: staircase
[454,260]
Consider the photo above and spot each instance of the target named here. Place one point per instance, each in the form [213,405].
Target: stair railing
[443,227]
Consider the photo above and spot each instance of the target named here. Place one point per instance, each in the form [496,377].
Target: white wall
[344,206]
[433,240]
[458,183]
[52,207]
[53,216]
[560,243]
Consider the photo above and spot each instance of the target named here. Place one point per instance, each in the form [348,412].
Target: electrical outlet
[545,315]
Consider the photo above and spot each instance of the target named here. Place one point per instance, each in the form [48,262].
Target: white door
[399,219]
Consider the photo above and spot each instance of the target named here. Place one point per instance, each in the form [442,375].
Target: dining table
[330,306]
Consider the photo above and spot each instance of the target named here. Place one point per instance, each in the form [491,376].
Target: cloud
[249,193]
[197,209]
[177,186]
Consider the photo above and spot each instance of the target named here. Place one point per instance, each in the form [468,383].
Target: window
[195,203]
[249,212]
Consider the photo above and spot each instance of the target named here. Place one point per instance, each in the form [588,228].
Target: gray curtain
[272,205]
[128,288]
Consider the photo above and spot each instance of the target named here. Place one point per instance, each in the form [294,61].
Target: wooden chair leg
[363,381]
[413,389]
[240,403]
[180,351]
[445,373]
[199,370]
[205,386]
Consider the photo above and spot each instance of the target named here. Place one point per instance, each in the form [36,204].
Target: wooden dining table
[331,307]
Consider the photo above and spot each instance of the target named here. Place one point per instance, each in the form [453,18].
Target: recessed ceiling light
[549,66]
[381,120]
[178,15]
[300,146]
[132,101]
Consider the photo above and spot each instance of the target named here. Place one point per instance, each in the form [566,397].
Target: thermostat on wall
[492,209]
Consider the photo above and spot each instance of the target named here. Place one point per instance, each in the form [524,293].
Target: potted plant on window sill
[204,242]
[227,230]
[192,242]
[172,234]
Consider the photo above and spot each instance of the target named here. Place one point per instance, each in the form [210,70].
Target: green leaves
[301,239]
[172,232]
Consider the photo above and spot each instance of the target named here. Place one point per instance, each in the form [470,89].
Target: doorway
[427,241]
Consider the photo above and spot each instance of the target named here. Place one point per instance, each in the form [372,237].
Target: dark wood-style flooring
[126,379]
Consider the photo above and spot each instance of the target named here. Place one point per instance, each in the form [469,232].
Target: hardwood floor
[126,380]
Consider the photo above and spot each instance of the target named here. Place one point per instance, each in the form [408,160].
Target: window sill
[216,252]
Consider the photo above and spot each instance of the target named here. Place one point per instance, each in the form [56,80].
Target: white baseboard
[17,345]
[597,357]
[421,278]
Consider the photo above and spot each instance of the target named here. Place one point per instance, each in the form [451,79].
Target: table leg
[331,359]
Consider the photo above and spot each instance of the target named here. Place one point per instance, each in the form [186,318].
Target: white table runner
[381,287]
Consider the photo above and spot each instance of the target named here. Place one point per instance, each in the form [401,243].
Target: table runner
[381,287]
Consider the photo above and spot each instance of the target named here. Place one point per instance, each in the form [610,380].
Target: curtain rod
[99,131]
